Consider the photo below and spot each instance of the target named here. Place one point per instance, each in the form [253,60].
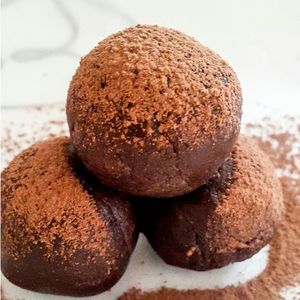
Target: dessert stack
[154,147]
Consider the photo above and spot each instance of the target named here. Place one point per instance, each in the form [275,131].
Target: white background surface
[42,42]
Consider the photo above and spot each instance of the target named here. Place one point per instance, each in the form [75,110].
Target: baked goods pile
[154,147]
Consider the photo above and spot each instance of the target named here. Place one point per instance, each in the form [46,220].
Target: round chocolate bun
[62,232]
[152,112]
[227,220]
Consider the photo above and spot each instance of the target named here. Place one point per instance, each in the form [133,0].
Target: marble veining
[64,49]
[27,55]
[5,3]
[109,6]
[42,42]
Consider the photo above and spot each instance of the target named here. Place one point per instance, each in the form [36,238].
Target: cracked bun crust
[62,231]
[227,220]
[152,112]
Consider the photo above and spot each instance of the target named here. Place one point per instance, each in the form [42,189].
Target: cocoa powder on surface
[283,270]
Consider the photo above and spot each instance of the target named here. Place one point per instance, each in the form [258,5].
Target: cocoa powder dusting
[153,83]
[283,270]
[244,211]
[283,147]
[41,179]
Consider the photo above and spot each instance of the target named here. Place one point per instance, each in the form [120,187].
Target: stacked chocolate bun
[154,146]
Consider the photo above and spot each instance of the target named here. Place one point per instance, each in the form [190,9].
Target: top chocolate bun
[152,112]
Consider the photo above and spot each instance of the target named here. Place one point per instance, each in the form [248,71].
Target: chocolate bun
[227,220]
[62,232]
[152,112]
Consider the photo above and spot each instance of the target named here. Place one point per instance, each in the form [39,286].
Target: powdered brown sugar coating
[151,94]
[62,232]
[227,220]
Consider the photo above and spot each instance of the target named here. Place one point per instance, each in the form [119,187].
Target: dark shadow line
[29,106]
[38,54]
[5,3]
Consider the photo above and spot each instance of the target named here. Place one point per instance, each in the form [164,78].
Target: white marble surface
[42,42]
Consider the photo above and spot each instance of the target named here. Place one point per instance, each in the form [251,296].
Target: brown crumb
[191,251]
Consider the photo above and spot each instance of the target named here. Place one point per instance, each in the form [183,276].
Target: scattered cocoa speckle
[17,135]
[56,122]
